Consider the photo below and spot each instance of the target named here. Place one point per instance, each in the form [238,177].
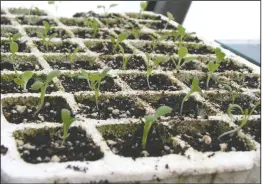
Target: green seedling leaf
[23,79]
[14,47]
[219,55]
[122,37]
[67,122]
[51,2]
[182,52]
[163,110]
[16,36]
[100,6]
[37,85]
[212,67]
[170,16]
[113,5]
[51,75]
[143,5]
[181,31]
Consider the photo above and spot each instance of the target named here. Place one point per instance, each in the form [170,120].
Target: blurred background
[232,23]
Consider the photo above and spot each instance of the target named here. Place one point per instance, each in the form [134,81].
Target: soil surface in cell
[118,23]
[159,25]
[93,14]
[129,143]
[156,82]
[9,86]
[141,36]
[5,46]
[45,145]
[252,82]
[170,65]
[74,84]
[111,108]
[35,22]
[20,66]
[191,107]
[133,63]
[202,49]
[186,39]
[159,49]
[76,65]
[88,34]
[230,65]
[61,33]
[253,128]
[5,21]
[107,48]
[24,113]
[61,48]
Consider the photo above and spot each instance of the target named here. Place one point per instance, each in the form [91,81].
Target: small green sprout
[213,66]
[94,81]
[40,85]
[150,119]
[120,38]
[46,39]
[93,24]
[14,48]
[135,31]
[181,32]
[151,67]
[143,6]
[170,17]
[156,40]
[106,11]
[245,116]
[23,79]
[234,94]
[72,56]
[67,122]
[194,88]
[125,58]
[182,52]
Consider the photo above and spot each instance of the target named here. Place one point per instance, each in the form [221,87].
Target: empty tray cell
[27,11]
[126,140]
[253,128]
[89,33]
[64,62]
[140,35]
[138,81]
[191,108]
[5,21]
[171,37]
[33,32]
[22,109]
[8,31]
[73,21]
[157,25]
[203,135]
[58,47]
[22,46]
[116,62]
[35,21]
[198,48]
[8,84]
[110,107]
[74,83]
[143,16]
[21,63]
[250,81]
[158,48]
[221,101]
[106,47]
[118,23]
[44,145]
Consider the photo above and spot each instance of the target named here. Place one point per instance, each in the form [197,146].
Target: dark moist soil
[23,21]
[250,82]
[12,87]
[111,108]
[135,62]
[107,48]
[3,150]
[119,24]
[5,21]
[159,49]
[159,25]
[170,65]
[203,49]
[90,35]
[159,142]
[93,14]
[230,65]
[254,129]
[50,112]
[47,143]
[191,108]
[21,66]
[74,84]
[61,48]
[157,82]
[142,36]
[76,65]
[5,46]
[60,33]
[187,39]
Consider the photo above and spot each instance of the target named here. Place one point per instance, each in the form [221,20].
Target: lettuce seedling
[120,38]
[14,48]
[245,116]
[150,119]
[182,52]
[46,39]
[135,31]
[94,81]
[93,24]
[194,88]
[106,11]
[72,56]
[213,66]
[170,17]
[156,40]
[150,67]
[143,6]
[182,34]
[234,93]
[41,85]
[23,79]
[67,122]
[125,58]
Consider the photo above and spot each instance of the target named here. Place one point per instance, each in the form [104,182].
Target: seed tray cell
[7,31]
[61,33]
[35,20]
